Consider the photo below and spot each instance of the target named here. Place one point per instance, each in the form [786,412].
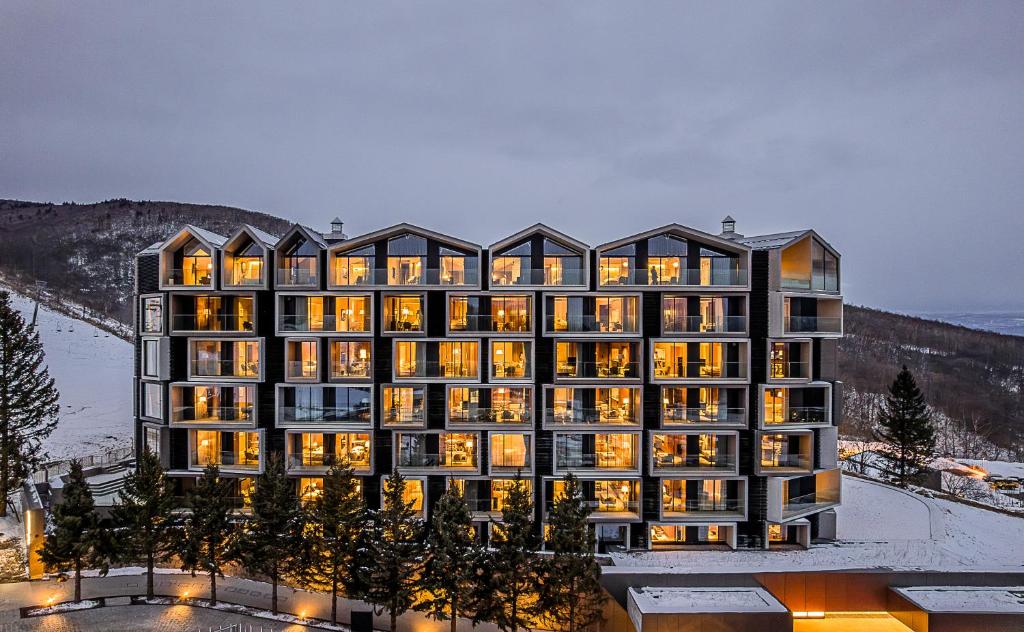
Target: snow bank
[93,372]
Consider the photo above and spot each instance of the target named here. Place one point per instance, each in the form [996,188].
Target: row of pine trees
[389,557]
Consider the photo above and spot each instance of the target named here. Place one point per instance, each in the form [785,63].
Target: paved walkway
[146,619]
[229,589]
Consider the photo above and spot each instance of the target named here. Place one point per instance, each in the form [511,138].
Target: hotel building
[687,379]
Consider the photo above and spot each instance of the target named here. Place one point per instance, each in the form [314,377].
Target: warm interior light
[809,615]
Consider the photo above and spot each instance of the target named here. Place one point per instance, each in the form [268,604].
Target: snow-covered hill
[93,372]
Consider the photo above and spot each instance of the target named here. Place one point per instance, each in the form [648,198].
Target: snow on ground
[880,527]
[93,372]
[1001,599]
[998,468]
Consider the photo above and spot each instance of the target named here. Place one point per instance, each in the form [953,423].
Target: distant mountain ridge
[85,253]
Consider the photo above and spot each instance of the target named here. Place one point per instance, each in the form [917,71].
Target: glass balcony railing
[813,324]
[797,504]
[583,369]
[594,461]
[797,415]
[435,369]
[488,323]
[675,414]
[228,458]
[589,324]
[693,462]
[418,276]
[699,324]
[213,414]
[296,276]
[399,416]
[437,460]
[488,415]
[189,277]
[610,505]
[318,460]
[484,505]
[699,369]
[328,322]
[320,414]
[787,461]
[211,322]
[539,277]
[301,370]
[788,370]
[689,277]
[225,368]
[592,416]
[701,506]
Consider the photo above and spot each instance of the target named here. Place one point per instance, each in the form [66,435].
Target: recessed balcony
[486,405]
[323,314]
[597,360]
[432,451]
[812,315]
[217,358]
[587,314]
[231,451]
[437,360]
[694,453]
[300,406]
[786,453]
[403,405]
[191,313]
[703,405]
[699,360]
[199,404]
[597,452]
[607,499]
[316,452]
[796,406]
[703,499]
[508,314]
[792,498]
[583,406]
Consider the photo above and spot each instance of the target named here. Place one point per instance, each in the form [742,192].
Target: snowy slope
[93,372]
[879,527]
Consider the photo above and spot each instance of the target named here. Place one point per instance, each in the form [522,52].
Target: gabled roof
[209,239]
[682,231]
[775,241]
[544,230]
[266,239]
[398,229]
[309,234]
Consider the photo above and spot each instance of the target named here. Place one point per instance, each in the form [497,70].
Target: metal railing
[593,416]
[213,414]
[795,461]
[434,368]
[699,505]
[687,277]
[486,322]
[202,278]
[588,369]
[488,414]
[702,414]
[229,458]
[296,276]
[318,414]
[225,368]
[693,462]
[440,459]
[539,276]
[589,323]
[213,322]
[813,324]
[699,369]
[329,322]
[780,370]
[796,415]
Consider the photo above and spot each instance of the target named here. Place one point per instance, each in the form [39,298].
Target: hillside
[85,252]
[974,379]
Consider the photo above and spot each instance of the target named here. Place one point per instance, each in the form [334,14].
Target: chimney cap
[729,228]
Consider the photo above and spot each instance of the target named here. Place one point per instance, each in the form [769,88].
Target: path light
[50,600]
[184,595]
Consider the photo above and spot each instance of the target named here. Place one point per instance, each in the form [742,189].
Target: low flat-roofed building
[679,608]
[958,608]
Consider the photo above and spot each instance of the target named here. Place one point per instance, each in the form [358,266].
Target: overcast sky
[894,129]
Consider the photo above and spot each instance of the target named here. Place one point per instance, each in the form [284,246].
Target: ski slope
[93,372]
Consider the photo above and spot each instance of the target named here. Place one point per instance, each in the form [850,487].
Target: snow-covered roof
[683,231]
[966,599]
[775,241]
[703,599]
[309,233]
[211,237]
[404,227]
[542,229]
[152,249]
[265,237]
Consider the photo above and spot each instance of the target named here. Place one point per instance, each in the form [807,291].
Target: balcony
[306,406]
[511,453]
[437,451]
[403,406]
[539,277]
[697,415]
[786,453]
[812,315]
[588,324]
[703,499]
[597,452]
[198,276]
[693,453]
[212,367]
[235,359]
[234,451]
[436,360]
[612,274]
[300,275]
[814,325]
[226,323]
[683,324]
[507,415]
[699,360]
[791,498]
[607,499]
[796,406]
[318,452]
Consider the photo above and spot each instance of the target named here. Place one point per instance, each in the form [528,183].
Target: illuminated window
[510,313]
[562,266]
[197,263]
[403,313]
[512,266]
[407,256]
[459,359]
[355,267]
[302,360]
[510,360]
[453,267]
[350,359]
[246,264]
[298,261]
[403,405]
[510,451]
[618,266]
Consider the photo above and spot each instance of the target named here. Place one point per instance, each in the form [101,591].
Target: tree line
[388,557]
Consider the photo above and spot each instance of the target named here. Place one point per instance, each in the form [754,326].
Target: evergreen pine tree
[453,556]
[144,516]
[904,426]
[205,545]
[28,401]
[75,539]
[267,539]
[571,597]
[335,522]
[393,557]
[510,594]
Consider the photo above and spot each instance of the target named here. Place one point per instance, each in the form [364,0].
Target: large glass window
[215,404]
[325,314]
[502,405]
[246,263]
[603,451]
[510,451]
[510,313]
[403,313]
[403,405]
[237,450]
[321,404]
[666,260]
[152,400]
[151,358]
[455,267]
[153,315]
[512,266]
[298,262]
[197,263]
[318,449]
[407,257]
[618,266]
[302,360]
[562,266]
[355,267]
[350,359]
[510,360]
[455,359]
[594,405]
[227,358]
